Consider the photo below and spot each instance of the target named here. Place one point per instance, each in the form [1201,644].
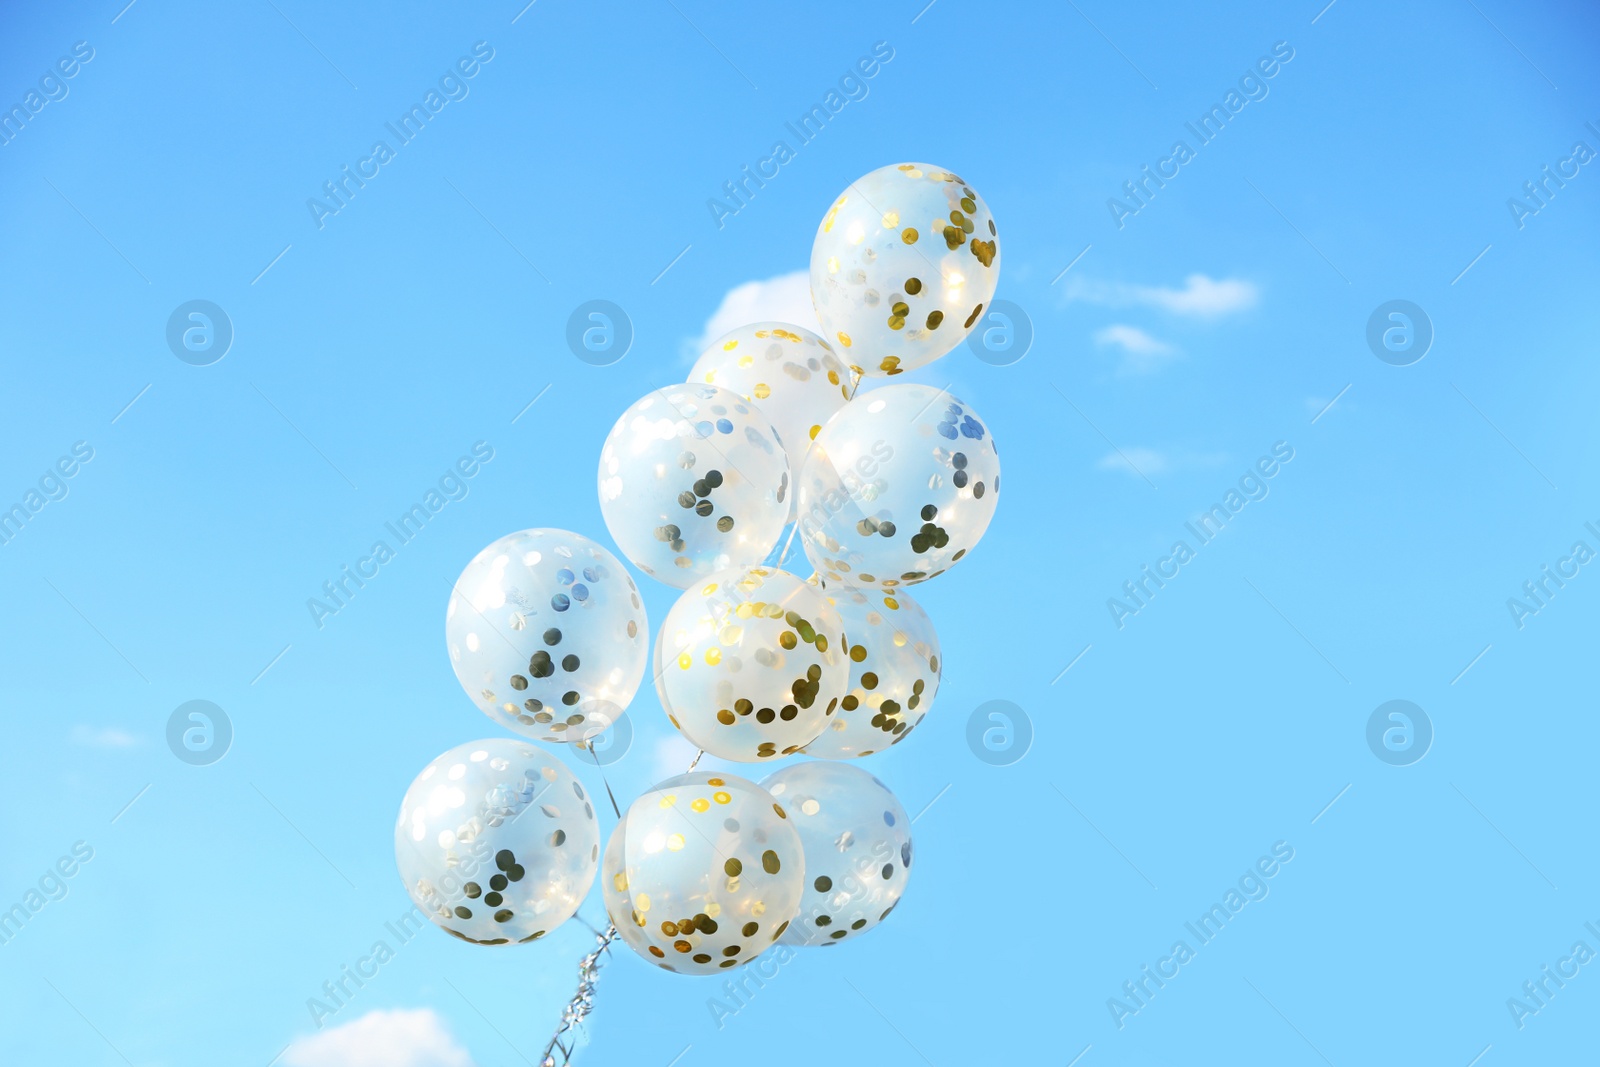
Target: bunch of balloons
[699,482]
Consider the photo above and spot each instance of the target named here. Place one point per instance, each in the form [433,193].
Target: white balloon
[857,841]
[547,634]
[902,267]
[703,873]
[790,374]
[750,665]
[894,672]
[497,842]
[693,480]
[900,485]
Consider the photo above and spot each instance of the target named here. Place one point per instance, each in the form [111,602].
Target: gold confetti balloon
[693,480]
[497,842]
[899,486]
[857,842]
[902,267]
[894,672]
[547,634]
[790,374]
[750,665]
[703,873]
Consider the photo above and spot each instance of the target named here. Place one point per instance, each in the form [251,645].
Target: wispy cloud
[381,1039]
[1134,461]
[786,298]
[102,737]
[1141,353]
[1200,296]
[1138,461]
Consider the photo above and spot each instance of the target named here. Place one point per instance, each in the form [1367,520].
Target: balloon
[693,480]
[899,486]
[902,267]
[790,375]
[703,873]
[497,842]
[858,848]
[894,672]
[750,665]
[547,634]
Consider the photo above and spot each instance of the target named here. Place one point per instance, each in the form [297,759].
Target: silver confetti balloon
[902,266]
[703,873]
[894,672]
[547,634]
[750,665]
[497,842]
[693,480]
[900,485]
[857,841]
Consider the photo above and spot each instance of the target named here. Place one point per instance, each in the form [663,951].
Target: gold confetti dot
[720,797]
[909,235]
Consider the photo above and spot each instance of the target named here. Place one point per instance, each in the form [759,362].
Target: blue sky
[1227,317]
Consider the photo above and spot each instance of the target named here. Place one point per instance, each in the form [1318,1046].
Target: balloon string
[795,528]
[582,1002]
[788,544]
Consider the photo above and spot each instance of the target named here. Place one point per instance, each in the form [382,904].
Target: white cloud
[1141,353]
[786,298]
[1134,461]
[102,737]
[1149,461]
[381,1039]
[1201,296]
[1133,340]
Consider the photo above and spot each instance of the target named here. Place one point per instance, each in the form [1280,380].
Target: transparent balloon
[703,873]
[693,480]
[894,672]
[899,486]
[750,665]
[902,267]
[790,374]
[857,841]
[497,842]
[547,634]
